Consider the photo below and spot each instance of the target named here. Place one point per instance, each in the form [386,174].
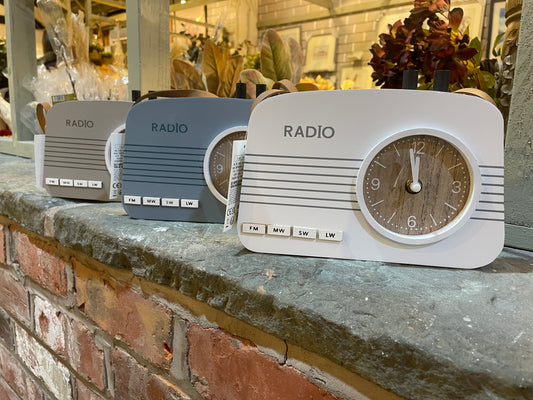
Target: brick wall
[71,328]
[354,32]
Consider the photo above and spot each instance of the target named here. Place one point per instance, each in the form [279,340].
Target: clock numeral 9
[411,221]
[456,187]
[220,168]
[375,184]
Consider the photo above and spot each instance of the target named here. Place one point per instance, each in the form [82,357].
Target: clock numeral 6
[456,187]
[411,221]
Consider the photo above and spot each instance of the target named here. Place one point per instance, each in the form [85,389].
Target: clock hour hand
[414,186]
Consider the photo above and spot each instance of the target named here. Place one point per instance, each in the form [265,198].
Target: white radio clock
[401,176]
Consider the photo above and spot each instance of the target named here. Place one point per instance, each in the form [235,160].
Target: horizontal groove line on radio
[298,189]
[299,173]
[156,153]
[490,211]
[491,176]
[488,219]
[292,181]
[305,157]
[157,169]
[299,205]
[491,202]
[303,166]
[65,139]
[128,158]
[492,184]
[69,167]
[88,157]
[492,193]
[166,183]
[147,146]
[69,164]
[492,166]
[297,197]
[175,176]
[130,161]
[61,150]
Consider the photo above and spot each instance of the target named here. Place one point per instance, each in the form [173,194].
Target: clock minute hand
[414,186]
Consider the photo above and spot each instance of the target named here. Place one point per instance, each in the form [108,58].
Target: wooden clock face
[217,162]
[417,188]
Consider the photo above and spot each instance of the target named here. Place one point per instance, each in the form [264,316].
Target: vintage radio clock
[83,149]
[388,175]
[177,157]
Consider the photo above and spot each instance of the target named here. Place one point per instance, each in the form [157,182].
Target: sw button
[304,233]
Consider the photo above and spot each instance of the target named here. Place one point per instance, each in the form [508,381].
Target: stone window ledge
[419,332]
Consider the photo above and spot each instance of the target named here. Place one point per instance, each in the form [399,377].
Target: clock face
[417,188]
[217,162]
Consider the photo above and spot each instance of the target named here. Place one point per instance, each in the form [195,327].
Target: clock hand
[414,186]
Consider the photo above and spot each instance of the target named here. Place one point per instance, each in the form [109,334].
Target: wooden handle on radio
[280,87]
[175,93]
[41,110]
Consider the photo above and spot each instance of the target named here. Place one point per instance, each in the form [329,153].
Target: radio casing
[165,146]
[304,151]
[76,140]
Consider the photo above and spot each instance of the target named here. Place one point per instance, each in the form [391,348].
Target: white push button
[66,182]
[303,233]
[279,230]
[52,181]
[258,229]
[165,202]
[187,203]
[95,184]
[80,183]
[132,200]
[151,201]
[334,236]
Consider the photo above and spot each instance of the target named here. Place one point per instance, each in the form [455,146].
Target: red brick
[85,394]
[6,330]
[227,368]
[51,325]
[6,393]
[120,311]
[13,373]
[45,268]
[133,381]
[13,296]
[85,356]
[2,245]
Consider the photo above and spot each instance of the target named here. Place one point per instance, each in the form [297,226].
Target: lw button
[185,203]
[304,233]
[334,236]
[257,229]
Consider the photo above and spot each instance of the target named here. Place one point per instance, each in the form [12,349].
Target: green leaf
[275,63]
[213,65]
[185,76]
[475,43]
